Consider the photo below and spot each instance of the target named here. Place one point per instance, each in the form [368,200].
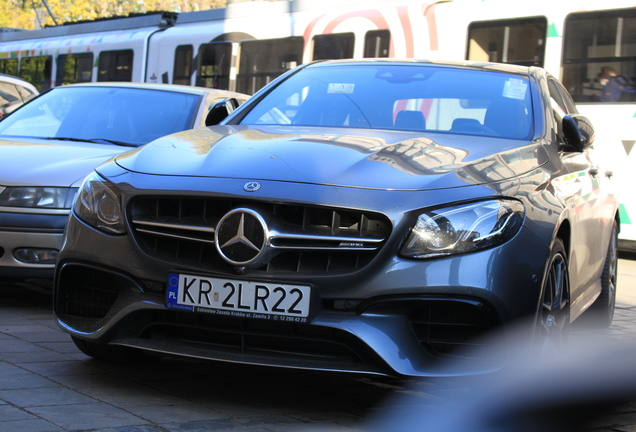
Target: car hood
[359,158]
[37,162]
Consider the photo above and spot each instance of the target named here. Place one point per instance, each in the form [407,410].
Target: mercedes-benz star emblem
[252,186]
[241,236]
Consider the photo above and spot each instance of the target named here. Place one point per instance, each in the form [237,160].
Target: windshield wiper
[93,140]
[110,141]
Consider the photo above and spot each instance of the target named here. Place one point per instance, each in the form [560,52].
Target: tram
[587,44]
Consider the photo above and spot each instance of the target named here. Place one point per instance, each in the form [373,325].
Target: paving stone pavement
[47,385]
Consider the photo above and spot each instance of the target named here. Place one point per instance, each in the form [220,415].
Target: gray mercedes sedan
[50,144]
[363,216]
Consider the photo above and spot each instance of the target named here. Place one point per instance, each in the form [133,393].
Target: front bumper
[407,317]
[29,231]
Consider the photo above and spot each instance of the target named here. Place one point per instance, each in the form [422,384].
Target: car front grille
[308,240]
[454,328]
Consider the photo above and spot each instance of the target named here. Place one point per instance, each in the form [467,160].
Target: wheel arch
[564,233]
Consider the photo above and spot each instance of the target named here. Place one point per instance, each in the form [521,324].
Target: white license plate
[240,298]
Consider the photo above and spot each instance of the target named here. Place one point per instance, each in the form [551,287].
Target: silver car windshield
[127,116]
[401,97]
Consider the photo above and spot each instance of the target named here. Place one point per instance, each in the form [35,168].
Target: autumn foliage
[32,14]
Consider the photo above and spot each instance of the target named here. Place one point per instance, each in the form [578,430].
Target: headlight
[463,228]
[98,204]
[38,197]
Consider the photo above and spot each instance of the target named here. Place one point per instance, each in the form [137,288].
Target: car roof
[152,86]
[459,64]
[18,81]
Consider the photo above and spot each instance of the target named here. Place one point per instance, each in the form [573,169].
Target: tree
[30,14]
[17,14]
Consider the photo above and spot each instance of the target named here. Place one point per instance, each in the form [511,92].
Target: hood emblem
[252,186]
[241,237]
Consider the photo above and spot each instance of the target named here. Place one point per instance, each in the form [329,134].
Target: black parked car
[367,216]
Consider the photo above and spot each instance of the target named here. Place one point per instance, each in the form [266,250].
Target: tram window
[599,56]
[74,68]
[517,41]
[264,60]
[376,43]
[37,71]
[214,68]
[333,46]
[182,65]
[9,66]
[115,65]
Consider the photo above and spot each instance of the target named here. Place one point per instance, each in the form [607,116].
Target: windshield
[128,116]
[401,97]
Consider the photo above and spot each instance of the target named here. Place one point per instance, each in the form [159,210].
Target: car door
[590,231]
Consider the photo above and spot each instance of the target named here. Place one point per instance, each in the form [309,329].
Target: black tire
[601,312]
[113,353]
[553,318]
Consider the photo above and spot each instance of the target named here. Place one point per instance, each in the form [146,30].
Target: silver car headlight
[38,197]
[463,228]
[99,205]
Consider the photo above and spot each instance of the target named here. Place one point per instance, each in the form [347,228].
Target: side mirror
[578,132]
[220,111]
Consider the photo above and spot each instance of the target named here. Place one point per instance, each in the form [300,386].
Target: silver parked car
[50,144]
[365,216]
[14,92]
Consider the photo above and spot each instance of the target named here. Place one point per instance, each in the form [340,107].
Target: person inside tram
[615,87]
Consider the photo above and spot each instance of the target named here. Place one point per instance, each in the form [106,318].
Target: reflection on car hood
[358,158]
[35,162]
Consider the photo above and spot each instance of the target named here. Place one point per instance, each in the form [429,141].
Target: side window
[333,46]
[9,95]
[559,106]
[517,41]
[377,43]
[556,97]
[599,56]
[115,65]
[25,93]
[182,65]
[567,99]
[74,68]
[264,60]
[9,66]
[37,71]
[215,61]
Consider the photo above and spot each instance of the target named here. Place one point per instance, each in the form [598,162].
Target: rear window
[401,97]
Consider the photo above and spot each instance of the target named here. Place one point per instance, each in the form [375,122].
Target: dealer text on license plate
[241,298]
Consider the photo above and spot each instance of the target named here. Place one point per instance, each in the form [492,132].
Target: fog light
[36,256]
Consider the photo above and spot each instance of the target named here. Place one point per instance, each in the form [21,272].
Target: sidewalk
[626,290]
[47,385]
